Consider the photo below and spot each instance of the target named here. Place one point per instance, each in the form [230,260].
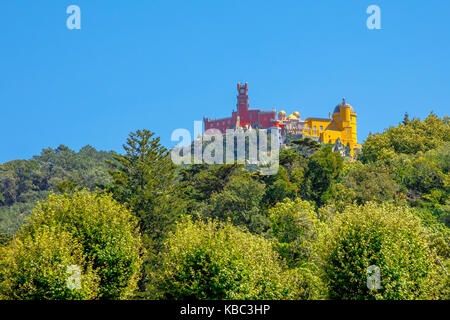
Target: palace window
[321,127]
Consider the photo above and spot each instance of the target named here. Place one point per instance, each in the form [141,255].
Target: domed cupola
[282,115]
[338,107]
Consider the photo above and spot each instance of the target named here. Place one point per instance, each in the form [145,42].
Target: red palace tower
[244,116]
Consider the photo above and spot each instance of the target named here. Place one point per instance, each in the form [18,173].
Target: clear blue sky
[162,64]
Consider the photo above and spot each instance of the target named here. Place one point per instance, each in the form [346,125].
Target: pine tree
[144,178]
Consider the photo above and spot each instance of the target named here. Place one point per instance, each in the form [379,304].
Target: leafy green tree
[306,146]
[342,197]
[211,260]
[324,167]
[370,183]
[67,186]
[278,187]
[13,217]
[105,230]
[422,179]
[290,159]
[4,239]
[401,180]
[438,235]
[18,181]
[240,202]
[86,167]
[410,137]
[306,283]
[295,165]
[389,237]
[424,176]
[24,182]
[297,177]
[440,156]
[295,226]
[200,181]
[37,266]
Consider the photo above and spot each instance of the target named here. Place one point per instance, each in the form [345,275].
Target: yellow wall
[315,128]
[342,126]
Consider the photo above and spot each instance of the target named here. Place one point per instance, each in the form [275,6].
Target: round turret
[343,104]
[282,115]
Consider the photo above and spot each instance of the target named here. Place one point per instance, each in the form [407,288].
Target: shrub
[389,237]
[105,231]
[212,260]
[37,266]
[294,226]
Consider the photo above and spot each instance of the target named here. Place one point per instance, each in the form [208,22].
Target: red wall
[246,115]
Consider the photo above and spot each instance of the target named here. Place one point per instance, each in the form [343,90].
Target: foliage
[305,146]
[211,260]
[438,234]
[416,154]
[410,137]
[324,167]
[24,182]
[279,187]
[306,283]
[4,239]
[386,236]
[36,265]
[14,216]
[228,232]
[104,230]
[143,179]
[295,226]
[239,202]
[200,181]
[370,183]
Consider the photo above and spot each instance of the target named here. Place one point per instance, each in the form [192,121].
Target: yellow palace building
[340,125]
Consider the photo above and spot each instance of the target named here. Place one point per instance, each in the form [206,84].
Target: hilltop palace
[339,128]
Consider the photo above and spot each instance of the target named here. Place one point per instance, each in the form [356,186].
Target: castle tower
[345,113]
[242,99]
[344,120]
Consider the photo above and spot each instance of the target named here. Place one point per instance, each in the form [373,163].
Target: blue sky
[162,64]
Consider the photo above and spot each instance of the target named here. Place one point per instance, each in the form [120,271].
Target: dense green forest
[24,182]
[139,227]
